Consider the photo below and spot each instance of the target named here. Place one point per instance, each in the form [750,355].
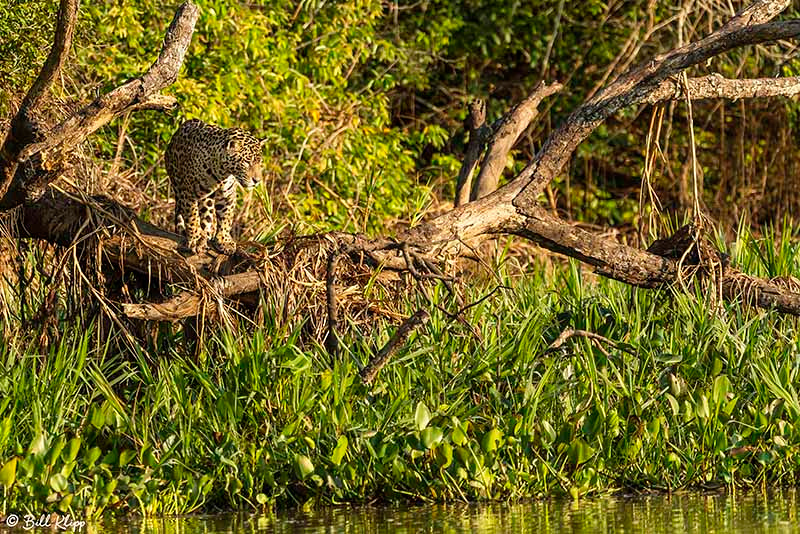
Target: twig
[380,360]
[570,332]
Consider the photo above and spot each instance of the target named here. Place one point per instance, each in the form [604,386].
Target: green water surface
[746,513]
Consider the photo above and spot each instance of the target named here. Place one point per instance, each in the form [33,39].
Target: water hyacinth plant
[673,390]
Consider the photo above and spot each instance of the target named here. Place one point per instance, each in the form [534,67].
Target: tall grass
[683,392]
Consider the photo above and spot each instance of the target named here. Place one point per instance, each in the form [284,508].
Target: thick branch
[609,258]
[716,86]
[139,93]
[22,130]
[478,133]
[65,28]
[506,136]
[189,303]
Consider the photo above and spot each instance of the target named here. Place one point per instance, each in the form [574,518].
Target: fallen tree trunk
[132,244]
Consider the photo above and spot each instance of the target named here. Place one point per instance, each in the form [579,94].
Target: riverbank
[558,383]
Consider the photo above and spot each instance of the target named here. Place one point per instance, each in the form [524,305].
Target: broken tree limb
[140,93]
[188,303]
[506,136]
[478,133]
[380,360]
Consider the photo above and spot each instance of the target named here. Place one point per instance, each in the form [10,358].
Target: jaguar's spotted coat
[204,162]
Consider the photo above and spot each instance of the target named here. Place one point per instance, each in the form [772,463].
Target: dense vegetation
[684,396]
[361,103]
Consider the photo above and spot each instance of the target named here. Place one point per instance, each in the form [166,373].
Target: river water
[746,513]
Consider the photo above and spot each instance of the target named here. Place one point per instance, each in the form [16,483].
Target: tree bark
[478,133]
[506,136]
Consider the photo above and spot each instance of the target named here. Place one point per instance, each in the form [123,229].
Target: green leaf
[97,418]
[431,436]
[38,446]
[126,456]
[549,432]
[673,403]
[303,465]
[458,436]
[579,451]
[261,499]
[70,452]
[91,456]
[339,451]
[721,387]
[444,455]
[668,358]
[55,451]
[422,416]
[8,473]
[491,440]
[65,503]
[58,482]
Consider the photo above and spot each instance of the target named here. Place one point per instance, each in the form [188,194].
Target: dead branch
[23,127]
[478,133]
[380,360]
[718,87]
[141,93]
[190,303]
[506,136]
[633,88]
[570,332]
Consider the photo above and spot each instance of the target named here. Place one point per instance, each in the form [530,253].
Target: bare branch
[506,136]
[65,28]
[478,133]
[716,86]
[380,360]
[189,304]
[161,74]
[139,93]
[634,87]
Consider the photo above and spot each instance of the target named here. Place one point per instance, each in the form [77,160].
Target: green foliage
[683,394]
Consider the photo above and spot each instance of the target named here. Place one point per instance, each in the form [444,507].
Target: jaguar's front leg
[207,216]
[225,204]
[195,236]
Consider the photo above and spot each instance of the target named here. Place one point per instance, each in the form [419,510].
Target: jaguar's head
[244,157]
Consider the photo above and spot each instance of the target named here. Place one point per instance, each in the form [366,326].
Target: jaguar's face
[244,152]
[252,176]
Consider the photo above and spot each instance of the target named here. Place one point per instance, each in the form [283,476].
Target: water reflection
[774,512]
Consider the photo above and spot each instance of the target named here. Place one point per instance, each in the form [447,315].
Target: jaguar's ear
[235,145]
